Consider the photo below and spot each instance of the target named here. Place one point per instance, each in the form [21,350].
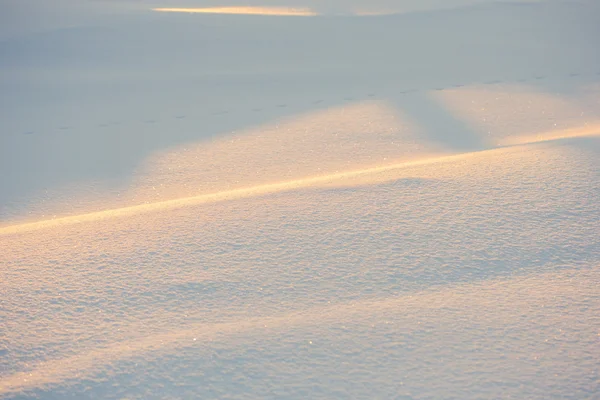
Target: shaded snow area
[299,200]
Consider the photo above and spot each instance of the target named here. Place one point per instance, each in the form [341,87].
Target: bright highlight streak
[271,188]
[279,11]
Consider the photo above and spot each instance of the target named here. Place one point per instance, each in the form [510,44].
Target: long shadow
[90,104]
[437,125]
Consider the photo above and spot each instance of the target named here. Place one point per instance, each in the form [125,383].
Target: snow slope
[234,206]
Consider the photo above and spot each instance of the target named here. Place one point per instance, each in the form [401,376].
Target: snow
[397,205]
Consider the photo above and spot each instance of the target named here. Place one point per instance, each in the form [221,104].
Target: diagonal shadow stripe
[437,124]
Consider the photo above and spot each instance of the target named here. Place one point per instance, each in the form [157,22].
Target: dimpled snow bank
[375,200]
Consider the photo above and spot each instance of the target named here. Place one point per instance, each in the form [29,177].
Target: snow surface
[402,205]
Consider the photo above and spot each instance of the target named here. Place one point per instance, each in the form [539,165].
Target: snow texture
[394,200]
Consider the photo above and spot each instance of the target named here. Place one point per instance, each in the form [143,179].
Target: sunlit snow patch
[279,11]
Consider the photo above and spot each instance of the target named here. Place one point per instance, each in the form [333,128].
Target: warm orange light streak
[215,197]
[362,175]
[507,114]
[274,11]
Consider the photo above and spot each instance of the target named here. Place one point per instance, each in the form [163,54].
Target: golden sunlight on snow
[317,144]
[67,279]
[274,11]
[234,206]
[516,114]
[363,142]
[289,152]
